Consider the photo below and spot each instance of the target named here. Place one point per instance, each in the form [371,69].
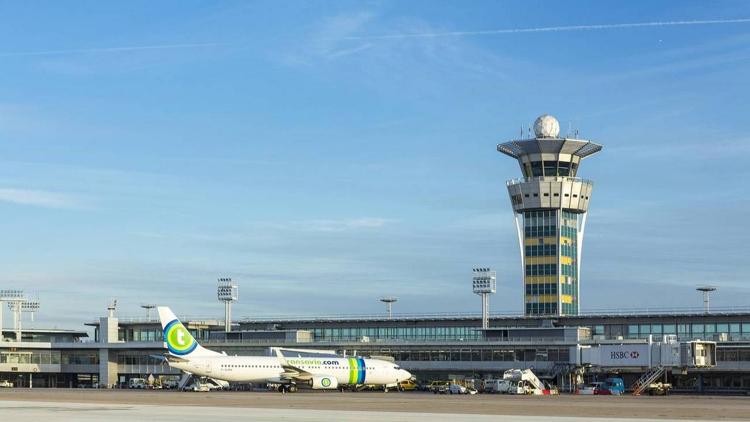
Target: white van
[505,387]
[137,383]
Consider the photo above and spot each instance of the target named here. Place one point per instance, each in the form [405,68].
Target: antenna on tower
[111,308]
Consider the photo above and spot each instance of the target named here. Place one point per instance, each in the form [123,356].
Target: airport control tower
[550,205]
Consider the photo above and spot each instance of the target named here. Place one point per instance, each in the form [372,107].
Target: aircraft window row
[250,366]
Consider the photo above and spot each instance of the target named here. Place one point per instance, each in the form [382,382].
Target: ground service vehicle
[613,386]
[137,383]
[659,388]
[527,383]
[6,384]
[434,386]
[407,385]
[504,387]
[457,389]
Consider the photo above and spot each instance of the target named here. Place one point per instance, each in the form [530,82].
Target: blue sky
[326,153]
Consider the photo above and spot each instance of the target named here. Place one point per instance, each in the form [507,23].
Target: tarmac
[124,405]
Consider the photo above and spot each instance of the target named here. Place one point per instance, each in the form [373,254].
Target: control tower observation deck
[550,205]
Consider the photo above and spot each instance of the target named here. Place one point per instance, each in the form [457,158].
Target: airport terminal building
[430,347]
[553,336]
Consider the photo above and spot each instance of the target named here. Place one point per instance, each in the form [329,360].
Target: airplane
[319,373]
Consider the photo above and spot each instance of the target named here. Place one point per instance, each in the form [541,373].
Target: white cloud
[118,49]
[345,224]
[552,29]
[38,198]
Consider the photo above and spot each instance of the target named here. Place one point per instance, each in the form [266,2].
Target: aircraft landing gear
[290,388]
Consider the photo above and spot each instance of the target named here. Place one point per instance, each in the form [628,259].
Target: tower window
[536,169]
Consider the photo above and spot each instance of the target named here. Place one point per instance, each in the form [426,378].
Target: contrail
[106,49]
[550,29]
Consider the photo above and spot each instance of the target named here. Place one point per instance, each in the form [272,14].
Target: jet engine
[324,382]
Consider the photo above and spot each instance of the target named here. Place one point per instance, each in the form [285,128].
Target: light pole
[484,283]
[706,290]
[148,307]
[227,292]
[389,301]
[10,296]
[18,307]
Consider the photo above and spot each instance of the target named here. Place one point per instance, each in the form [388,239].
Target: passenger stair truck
[652,359]
[527,382]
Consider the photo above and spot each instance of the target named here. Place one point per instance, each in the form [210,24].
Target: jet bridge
[667,353]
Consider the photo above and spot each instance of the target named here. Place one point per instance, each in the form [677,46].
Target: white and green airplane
[326,373]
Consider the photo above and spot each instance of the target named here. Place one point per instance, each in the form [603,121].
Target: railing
[603,312]
[548,179]
[398,341]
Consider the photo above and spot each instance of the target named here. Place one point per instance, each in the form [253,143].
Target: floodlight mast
[227,291]
[27,306]
[389,301]
[484,283]
[11,297]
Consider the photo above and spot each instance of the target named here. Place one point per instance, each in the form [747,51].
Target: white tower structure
[550,205]
[706,290]
[389,301]
[227,292]
[484,283]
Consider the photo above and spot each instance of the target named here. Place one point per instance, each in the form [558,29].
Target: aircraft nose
[404,375]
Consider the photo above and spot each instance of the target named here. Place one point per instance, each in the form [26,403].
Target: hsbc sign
[624,355]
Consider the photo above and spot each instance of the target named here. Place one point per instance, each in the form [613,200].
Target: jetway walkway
[667,353]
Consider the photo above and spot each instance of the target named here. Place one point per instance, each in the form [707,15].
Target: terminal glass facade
[397,333]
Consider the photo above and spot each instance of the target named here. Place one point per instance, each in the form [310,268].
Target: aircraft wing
[291,371]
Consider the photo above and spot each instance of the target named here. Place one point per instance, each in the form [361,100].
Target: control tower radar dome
[546,126]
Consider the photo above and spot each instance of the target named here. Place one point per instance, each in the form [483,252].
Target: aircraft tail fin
[177,338]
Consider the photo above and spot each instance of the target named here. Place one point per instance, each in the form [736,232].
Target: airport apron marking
[357,371]
[178,338]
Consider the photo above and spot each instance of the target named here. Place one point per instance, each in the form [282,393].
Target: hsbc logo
[622,355]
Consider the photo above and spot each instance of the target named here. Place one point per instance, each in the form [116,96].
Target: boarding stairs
[646,379]
[185,380]
[537,386]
